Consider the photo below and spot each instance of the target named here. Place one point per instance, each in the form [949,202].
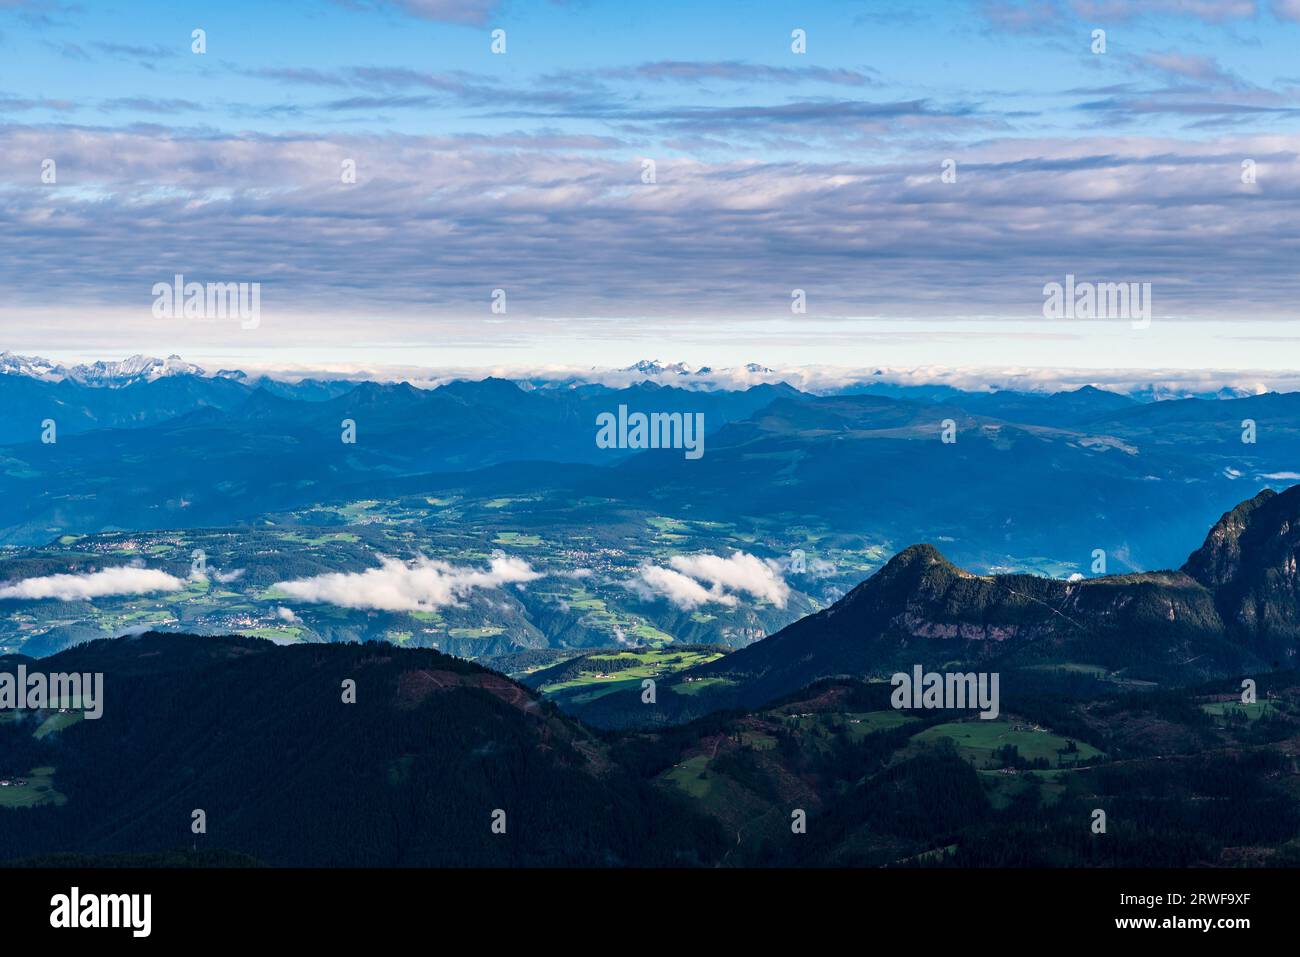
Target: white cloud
[287,614]
[109,581]
[696,580]
[422,585]
[653,581]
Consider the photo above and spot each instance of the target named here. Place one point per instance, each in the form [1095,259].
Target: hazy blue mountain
[305,390]
[1057,409]
[76,408]
[184,464]
[474,466]
[1003,489]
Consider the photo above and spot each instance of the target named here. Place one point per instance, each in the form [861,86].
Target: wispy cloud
[1210,11]
[1054,16]
[1198,68]
[447,11]
[731,71]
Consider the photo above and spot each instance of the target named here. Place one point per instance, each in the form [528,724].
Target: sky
[920,171]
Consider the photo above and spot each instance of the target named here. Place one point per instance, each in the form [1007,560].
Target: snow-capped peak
[654,367]
[33,367]
[109,374]
[134,369]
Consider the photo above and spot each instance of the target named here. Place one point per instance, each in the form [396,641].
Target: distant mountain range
[141,368]
[896,383]
[113,373]
[653,368]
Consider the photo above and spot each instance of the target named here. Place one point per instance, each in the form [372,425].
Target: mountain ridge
[1234,604]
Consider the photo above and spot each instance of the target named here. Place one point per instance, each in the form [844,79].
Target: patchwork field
[985,743]
[589,552]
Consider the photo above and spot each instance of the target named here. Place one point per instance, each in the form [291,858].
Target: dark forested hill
[258,737]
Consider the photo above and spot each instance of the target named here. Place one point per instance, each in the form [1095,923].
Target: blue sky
[774,171]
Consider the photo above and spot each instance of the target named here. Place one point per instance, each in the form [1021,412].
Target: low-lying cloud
[691,581]
[77,587]
[422,585]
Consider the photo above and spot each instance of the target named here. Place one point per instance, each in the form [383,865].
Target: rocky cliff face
[1249,559]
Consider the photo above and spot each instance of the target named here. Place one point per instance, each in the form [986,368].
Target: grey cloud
[68,50]
[145,104]
[22,104]
[1057,16]
[1211,11]
[691,71]
[448,11]
[305,75]
[143,56]
[1136,106]
[438,221]
[1197,68]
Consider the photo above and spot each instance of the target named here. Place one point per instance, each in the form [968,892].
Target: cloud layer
[79,587]
[422,585]
[577,236]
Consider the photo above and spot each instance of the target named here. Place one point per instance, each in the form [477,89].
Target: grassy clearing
[692,776]
[608,672]
[856,723]
[1253,711]
[519,539]
[665,525]
[475,632]
[700,684]
[37,789]
[977,740]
